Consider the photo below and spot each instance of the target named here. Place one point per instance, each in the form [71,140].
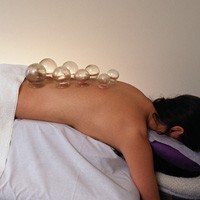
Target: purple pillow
[174,153]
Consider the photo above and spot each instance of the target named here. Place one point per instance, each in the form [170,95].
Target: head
[181,117]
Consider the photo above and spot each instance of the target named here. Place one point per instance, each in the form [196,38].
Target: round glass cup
[103,80]
[50,65]
[82,76]
[93,70]
[36,74]
[61,76]
[71,66]
[114,75]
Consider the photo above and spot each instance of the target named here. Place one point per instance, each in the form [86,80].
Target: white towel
[11,77]
[187,188]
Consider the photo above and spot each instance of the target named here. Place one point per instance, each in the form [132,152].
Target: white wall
[154,44]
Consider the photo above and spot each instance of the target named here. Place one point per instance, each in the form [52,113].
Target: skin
[119,116]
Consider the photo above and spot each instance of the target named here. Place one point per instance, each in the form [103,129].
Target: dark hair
[184,111]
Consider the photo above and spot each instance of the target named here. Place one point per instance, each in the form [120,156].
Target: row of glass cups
[38,74]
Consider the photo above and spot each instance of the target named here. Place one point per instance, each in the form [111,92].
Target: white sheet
[52,161]
[11,77]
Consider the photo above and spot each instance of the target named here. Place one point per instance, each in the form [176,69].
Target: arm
[138,155]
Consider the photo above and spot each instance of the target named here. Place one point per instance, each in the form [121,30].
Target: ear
[176,131]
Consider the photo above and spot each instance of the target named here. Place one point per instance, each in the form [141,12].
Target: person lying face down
[119,116]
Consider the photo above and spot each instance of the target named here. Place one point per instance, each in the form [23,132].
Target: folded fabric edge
[11,77]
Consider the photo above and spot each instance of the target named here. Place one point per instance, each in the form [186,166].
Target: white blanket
[51,161]
[11,77]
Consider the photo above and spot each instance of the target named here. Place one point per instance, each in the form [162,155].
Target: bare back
[89,109]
